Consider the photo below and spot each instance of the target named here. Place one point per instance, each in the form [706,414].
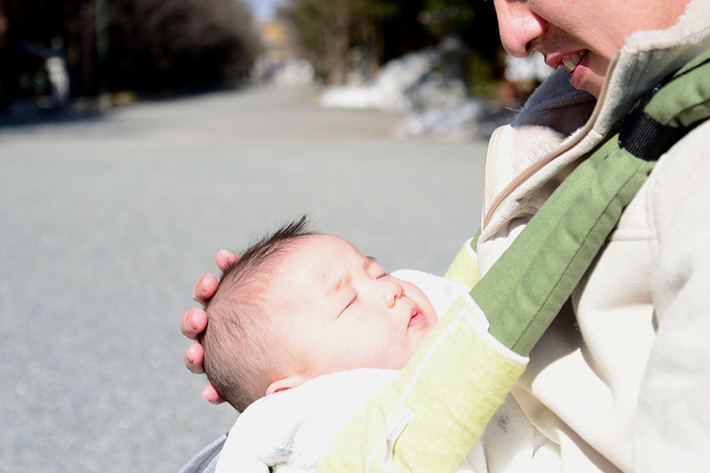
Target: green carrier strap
[432,414]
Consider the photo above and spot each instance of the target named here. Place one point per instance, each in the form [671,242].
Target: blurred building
[279,60]
[277,41]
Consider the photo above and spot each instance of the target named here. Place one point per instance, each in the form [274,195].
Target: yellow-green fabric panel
[464,268]
[441,402]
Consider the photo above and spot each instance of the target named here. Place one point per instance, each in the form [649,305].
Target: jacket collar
[571,123]
[648,57]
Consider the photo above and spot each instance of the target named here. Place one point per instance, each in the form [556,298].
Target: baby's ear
[292,381]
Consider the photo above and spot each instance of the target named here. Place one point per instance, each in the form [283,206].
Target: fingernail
[207,395]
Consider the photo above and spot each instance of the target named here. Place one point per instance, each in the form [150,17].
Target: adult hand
[194,321]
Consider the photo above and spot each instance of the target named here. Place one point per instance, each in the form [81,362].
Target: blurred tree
[323,32]
[369,20]
[476,24]
[152,45]
[181,44]
[5,92]
[404,31]
[328,30]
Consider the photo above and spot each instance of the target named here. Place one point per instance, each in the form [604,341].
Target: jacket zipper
[535,167]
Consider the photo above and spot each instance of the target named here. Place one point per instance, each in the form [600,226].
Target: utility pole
[102,47]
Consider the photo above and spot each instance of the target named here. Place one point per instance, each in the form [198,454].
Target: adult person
[619,381]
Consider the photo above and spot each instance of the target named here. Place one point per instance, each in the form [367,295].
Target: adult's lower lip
[576,77]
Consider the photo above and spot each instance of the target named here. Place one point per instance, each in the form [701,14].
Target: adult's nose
[391,291]
[519,26]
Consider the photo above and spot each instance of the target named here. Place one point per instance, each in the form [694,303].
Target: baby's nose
[392,291]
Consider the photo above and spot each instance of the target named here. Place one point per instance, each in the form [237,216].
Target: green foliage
[377,10]
[441,17]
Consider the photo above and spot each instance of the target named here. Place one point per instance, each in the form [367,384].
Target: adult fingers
[209,393]
[204,289]
[193,323]
[194,358]
[225,259]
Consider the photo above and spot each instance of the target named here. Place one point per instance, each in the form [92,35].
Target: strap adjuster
[644,137]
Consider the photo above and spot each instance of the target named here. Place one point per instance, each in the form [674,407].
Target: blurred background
[78,57]
[138,137]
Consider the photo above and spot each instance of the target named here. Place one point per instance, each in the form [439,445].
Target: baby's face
[341,310]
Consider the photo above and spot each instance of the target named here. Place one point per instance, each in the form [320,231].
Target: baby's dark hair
[243,355]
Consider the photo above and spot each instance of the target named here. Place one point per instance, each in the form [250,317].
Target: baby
[299,305]
[309,311]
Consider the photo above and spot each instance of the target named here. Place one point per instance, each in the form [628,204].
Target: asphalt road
[106,223]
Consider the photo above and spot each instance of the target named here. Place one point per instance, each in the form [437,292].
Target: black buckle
[643,136]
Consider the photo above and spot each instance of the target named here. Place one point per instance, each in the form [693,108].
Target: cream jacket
[624,386]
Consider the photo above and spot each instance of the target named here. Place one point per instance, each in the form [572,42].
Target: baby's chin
[425,330]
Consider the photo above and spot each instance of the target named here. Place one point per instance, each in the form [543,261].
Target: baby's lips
[416,317]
